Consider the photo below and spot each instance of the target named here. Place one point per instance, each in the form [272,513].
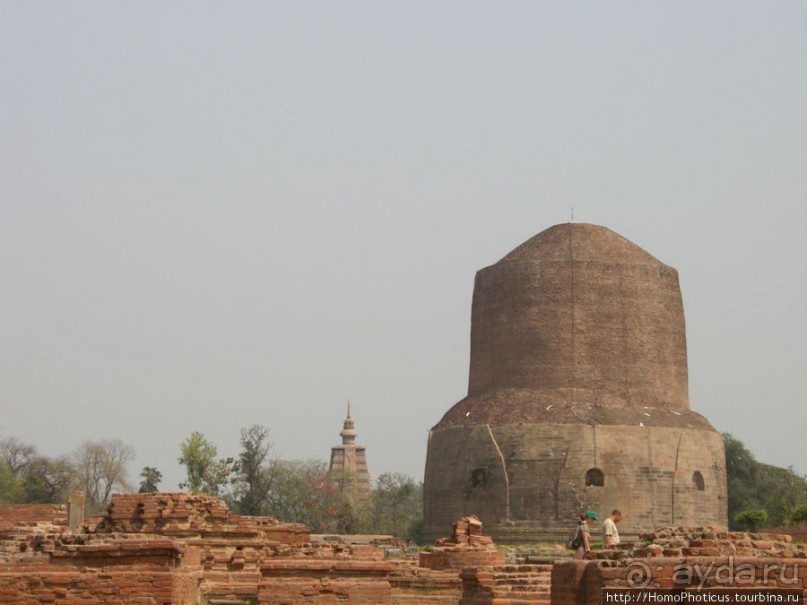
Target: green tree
[11,491]
[220,478]
[799,514]
[756,486]
[302,492]
[353,512]
[204,473]
[150,479]
[741,476]
[47,480]
[15,456]
[198,456]
[751,519]
[254,480]
[397,506]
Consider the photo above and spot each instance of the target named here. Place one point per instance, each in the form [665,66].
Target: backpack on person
[575,540]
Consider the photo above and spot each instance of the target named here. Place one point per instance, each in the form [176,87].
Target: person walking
[609,530]
[586,520]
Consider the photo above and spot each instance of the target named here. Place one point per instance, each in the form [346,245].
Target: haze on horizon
[214,215]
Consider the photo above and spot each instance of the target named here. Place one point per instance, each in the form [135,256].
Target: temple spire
[348,429]
[351,458]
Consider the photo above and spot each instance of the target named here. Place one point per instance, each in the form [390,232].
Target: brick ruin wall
[684,559]
[17,515]
[184,549]
[187,549]
[467,547]
[797,532]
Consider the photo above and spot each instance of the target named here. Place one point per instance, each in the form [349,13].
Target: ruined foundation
[189,549]
[686,559]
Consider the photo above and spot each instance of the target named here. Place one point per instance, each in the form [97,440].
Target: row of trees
[301,491]
[96,467]
[252,483]
[761,495]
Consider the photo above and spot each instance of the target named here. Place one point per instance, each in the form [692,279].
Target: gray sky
[216,214]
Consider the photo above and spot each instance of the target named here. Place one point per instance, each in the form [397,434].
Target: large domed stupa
[577,398]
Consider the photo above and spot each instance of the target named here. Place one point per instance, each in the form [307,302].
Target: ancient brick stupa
[577,398]
[350,460]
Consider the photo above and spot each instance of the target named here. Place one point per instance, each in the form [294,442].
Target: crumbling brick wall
[797,532]
[156,549]
[16,515]
[78,569]
[684,558]
[466,547]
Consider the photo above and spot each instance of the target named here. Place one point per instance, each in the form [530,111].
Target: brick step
[517,580]
[515,590]
[525,568]
[524,596]
[433,600]
[539,573]
[488,599]
[517,577]
[536,588]
[226,590]
[522,589]
[215,575]
[520,585]
[499,600]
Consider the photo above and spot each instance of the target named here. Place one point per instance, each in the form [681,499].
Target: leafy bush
[751,518]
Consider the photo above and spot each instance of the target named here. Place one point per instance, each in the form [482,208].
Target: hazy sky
[217,214]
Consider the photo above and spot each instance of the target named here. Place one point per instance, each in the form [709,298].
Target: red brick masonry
[159,549]
[684,558]
[185,549]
